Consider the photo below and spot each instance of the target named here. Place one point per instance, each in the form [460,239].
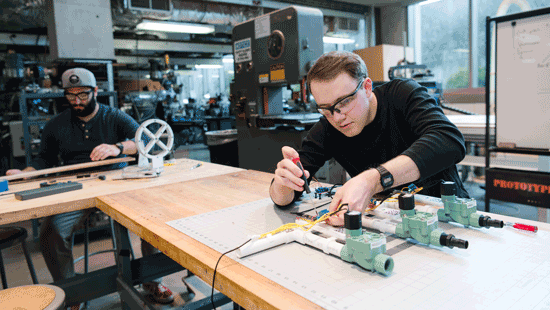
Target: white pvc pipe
[327,245]
[382,225]
[429,200]
[257,245]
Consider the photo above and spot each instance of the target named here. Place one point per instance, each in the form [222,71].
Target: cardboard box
[379,59]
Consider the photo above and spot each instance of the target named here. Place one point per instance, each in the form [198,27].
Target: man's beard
[88,109]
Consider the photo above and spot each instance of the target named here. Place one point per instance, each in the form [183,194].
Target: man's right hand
[287,178]
[17,171]
[288,174]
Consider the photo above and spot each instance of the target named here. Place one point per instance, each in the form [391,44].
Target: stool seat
[10,235]
[33,297]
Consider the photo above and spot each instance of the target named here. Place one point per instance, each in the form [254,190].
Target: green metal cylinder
[435,236]
[383,264]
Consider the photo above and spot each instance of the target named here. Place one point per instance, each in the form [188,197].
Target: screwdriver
[523,226]
[297,162]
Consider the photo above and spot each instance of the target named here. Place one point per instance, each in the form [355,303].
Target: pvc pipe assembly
[327,245]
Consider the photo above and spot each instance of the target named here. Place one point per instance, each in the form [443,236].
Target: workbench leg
[129,296]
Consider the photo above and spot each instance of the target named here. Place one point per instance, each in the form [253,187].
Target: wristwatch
[386,178]
[120,147]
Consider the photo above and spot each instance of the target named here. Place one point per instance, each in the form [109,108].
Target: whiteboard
[523,82]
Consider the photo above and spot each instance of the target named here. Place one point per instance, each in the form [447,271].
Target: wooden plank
[13,210]
[92,164]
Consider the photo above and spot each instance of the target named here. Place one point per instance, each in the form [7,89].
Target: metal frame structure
[490,96]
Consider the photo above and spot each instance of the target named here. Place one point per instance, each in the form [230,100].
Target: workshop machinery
[272,53]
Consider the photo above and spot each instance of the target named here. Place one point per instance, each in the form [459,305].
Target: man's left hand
[357,193]
[103,151]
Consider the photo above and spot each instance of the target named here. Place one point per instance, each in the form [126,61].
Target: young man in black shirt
[385,137]
[88,131]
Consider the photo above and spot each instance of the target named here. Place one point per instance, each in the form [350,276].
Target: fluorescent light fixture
[336,40]
[461,50]
[428,2]
[228,59]
[168,26]
[208,66]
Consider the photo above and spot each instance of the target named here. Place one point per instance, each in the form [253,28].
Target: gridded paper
[501,269]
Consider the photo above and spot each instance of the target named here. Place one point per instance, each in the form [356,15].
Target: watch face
[387,181]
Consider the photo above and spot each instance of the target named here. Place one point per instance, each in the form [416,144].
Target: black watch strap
[120,147]
[386,178]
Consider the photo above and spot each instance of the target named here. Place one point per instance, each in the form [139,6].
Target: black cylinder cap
[448,188]
[486,221]
[406,202]
[450,241]
[352,220]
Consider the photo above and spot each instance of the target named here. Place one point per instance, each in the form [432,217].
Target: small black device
[386,178]
[46,189]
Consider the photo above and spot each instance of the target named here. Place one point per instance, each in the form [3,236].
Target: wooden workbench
[13,210]
[146,214]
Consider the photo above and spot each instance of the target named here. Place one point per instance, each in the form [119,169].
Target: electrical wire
[216,267]
[289,226]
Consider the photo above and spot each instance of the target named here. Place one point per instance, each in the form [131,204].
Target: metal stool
[38,296]
[9,236]
[87,253]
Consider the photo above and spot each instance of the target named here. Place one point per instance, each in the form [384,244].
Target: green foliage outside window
[460,78]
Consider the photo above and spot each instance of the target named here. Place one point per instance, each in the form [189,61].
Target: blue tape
[3,186]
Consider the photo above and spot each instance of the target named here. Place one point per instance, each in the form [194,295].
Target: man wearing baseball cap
[88,131]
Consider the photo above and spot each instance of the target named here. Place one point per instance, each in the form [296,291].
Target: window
[440,30]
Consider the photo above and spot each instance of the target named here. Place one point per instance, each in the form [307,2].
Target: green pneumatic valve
[422,226]
[365,248]
[462,210]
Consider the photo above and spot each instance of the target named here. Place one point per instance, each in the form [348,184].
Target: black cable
[330,190]
[215,268]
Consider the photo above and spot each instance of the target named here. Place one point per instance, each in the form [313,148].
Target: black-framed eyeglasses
[343,105]
[82,95]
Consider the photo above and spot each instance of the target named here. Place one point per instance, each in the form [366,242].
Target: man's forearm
[403,169]
[129,147]
[281,195]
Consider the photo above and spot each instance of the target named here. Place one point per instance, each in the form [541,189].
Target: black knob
[352,220]
[448,188]
[406,202]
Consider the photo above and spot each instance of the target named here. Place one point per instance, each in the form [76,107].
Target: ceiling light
[428,2]
[228,59]
[336,40]
[167,26]
[208,66]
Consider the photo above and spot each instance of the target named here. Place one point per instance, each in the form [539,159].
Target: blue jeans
[56,234]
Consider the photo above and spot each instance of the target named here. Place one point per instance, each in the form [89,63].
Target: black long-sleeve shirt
[407,122]
[68,140]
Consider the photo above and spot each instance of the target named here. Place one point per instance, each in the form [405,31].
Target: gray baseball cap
[78,77]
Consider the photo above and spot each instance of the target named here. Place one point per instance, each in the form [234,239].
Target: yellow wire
[302,227]
[392,198]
